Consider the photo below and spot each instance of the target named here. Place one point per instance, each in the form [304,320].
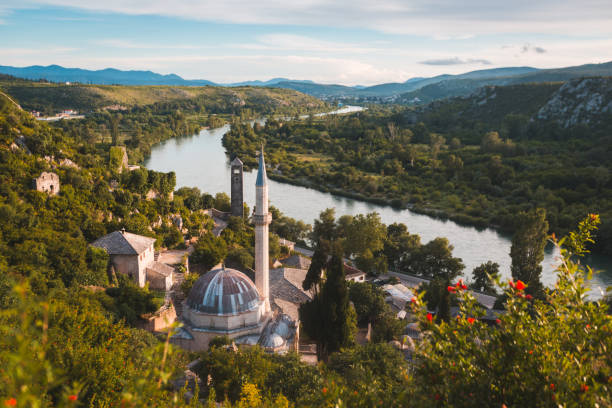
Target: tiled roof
[124,243]
[286,284]
[161,268]
[350,271]
[297,261]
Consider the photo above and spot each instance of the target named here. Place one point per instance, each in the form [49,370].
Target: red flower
[530,351]
[450,289]
[552,387]
[324,390]
[11,402]
[584,388]
[463,286]
[511,284]
[414,299]
[497,321]
[588,326]
[528,297]
[520,285]
[429,317]
[437,397]
[471,320]
[72,397]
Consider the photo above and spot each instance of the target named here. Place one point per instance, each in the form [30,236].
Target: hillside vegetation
[478,160]
[140,116]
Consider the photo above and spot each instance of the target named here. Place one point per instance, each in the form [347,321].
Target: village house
[134,255]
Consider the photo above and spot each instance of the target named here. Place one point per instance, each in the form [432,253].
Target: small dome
[223,292]
[272,341]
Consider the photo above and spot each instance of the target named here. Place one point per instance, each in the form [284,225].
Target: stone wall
[161,320]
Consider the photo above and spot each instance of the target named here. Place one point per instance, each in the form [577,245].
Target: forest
[476,163]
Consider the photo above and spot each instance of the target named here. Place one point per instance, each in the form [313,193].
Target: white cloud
[20,52]
[456,61]
[434,18]
[125,44]
[292,42]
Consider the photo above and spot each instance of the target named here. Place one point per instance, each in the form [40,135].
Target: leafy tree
[374,374]
[484,277]
[368,300]
[239,258]
[222,202]
[400,244]
[364,233]
[209,251]
[325,226]
[527,250]
[435,260]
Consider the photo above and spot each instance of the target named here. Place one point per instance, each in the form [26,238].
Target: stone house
[47,183]
[134,255]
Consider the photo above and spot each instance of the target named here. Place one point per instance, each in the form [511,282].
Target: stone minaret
[262,219]
[237,206]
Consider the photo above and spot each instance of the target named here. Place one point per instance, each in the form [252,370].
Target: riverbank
[461,219]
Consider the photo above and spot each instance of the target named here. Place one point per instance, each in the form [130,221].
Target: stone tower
[237,190]
[262,219]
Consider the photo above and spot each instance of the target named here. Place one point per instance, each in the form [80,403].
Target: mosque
[225,302]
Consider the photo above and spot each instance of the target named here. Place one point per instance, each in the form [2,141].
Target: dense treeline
[479,170]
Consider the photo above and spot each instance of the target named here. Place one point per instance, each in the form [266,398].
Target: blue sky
[341,41]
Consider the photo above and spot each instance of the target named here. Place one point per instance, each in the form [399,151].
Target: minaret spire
[262,178]
[262,219]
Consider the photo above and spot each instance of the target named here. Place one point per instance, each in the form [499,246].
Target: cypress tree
[329,318]
[527,251]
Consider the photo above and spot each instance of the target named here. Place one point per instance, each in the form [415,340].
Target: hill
[53,97]
[577,102]
[466,84]
[108,76]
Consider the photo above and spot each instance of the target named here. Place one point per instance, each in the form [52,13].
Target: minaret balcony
[262,219]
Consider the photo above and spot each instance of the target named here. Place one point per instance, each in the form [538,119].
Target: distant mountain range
[413,91]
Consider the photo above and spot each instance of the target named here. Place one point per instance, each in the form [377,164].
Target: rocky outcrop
[579,101]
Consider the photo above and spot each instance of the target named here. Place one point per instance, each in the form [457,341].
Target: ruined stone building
[47,183]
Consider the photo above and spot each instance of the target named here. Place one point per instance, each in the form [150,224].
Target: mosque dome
[223,292]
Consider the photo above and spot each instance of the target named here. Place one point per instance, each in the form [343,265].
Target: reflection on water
[200,161]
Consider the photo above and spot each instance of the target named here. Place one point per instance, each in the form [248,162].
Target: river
[200,161]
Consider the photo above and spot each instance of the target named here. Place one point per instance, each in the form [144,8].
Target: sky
[354,42]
